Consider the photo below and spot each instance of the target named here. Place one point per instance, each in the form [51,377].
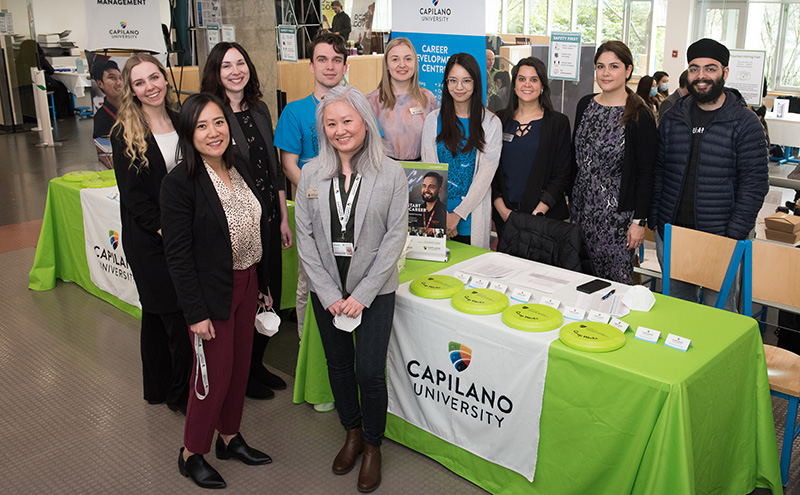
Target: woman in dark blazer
[144,143]
[230,75]
[215,238]
[535,163]
[352,223]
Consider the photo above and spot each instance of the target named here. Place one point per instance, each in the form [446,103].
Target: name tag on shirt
[508,137]
[416,110]
[312,194]
[343,249]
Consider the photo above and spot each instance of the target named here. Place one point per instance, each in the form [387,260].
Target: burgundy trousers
[228,364]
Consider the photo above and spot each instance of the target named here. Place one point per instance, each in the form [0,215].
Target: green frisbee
[98,182]
[591,336]
[79,176]
[436,286]
[532,317]
[107,174]
[479,301]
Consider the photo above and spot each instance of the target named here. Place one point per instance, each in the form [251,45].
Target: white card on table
[499,287]
[616,322]
[479,283]
[462,276]
[521,295]
[598,316]
[647,334]
[679,343]
[574,313]
[549,301]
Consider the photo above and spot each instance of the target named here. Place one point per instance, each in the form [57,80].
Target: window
[763,25]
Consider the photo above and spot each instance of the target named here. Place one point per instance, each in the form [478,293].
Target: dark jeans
[369,358]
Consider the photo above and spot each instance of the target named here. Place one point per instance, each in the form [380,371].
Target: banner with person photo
[427,210]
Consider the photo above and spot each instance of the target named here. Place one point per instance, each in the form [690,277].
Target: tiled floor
[70,386]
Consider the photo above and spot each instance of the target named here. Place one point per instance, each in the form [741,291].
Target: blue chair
[702,259]
[771,276]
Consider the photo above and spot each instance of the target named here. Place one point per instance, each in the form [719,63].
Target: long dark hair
[452,133]
[623,53]
[212,83]
[643,90]
[508,112]
[192,107]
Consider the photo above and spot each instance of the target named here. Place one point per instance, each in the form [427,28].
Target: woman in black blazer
[215,238]
[534,166]
[144,142]
[229,74]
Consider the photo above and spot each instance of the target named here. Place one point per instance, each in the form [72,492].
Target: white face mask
[663,87]
[267,322]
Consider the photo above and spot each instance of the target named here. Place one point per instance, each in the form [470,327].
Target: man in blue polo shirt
[296,132]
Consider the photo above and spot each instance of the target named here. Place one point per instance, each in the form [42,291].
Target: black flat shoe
[257,390]
[268,378]
[181,408]
[200,471]
[238,449]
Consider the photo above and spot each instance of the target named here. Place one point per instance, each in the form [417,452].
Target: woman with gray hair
[351,221]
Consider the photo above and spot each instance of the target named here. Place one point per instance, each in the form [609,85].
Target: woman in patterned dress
[468,137]
[615,152]
[230,75]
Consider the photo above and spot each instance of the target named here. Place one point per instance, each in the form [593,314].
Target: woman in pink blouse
[399,103]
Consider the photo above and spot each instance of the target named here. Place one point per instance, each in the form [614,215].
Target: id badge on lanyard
[343,212]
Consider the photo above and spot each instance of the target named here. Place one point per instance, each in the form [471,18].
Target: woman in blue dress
[467,137]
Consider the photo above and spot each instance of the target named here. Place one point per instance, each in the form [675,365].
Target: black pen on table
[608,295]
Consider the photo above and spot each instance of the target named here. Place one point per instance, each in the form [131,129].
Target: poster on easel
[746,74]
[124,25]
[427,210]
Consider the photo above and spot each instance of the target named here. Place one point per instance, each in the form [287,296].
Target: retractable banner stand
[438,29]
[124,24]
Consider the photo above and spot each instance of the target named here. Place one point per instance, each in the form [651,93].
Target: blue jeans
[369,373]
[691,292]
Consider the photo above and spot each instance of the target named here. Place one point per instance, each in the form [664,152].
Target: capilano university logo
[460,355]
[113,238]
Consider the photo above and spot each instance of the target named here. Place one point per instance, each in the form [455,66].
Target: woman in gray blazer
[352,219]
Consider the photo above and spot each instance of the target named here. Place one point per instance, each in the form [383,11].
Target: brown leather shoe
[346,458]
[370,476]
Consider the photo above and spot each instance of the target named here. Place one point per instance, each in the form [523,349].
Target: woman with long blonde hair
[144,144]
[399,103]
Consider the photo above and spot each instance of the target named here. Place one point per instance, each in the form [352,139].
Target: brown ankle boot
[346,458]
[370,476]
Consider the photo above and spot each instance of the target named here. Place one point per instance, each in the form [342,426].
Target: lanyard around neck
[344,213]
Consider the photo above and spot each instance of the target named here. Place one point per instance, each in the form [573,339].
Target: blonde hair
[386,95]
[131,118]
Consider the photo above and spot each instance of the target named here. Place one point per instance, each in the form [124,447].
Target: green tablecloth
[61,250]
[645,419]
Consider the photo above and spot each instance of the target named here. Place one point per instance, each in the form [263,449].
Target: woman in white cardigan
[466,136]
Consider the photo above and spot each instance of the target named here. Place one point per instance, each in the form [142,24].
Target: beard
[711,94]
[430,197]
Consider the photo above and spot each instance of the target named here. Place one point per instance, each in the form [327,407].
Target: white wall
[678,36]
[19,11]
